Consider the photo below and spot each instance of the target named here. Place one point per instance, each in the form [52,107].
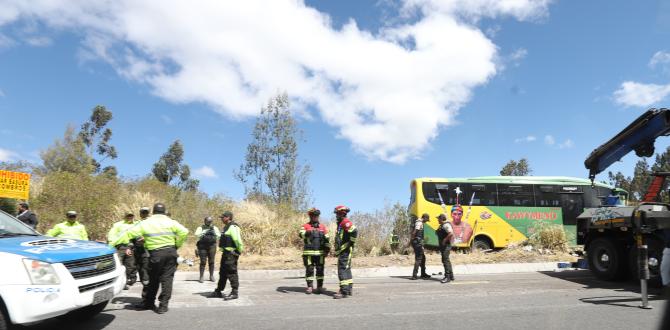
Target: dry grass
[549,237]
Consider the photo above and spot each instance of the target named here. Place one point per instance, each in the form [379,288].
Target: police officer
[141,254]
[70,228]
[417,245]
[445,234]
[317,245]
[207,234]
[26,215]
[232,247]
[125,248]
[344,250]
[162,237]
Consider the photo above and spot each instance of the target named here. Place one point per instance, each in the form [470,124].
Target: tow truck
[621,241]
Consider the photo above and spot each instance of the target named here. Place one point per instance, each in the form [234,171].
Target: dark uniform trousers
[448,271]
[344,271]
[419,258]
[141,256]
[127,261]
[228,271]
[207,257]
[311,263]
[162,266]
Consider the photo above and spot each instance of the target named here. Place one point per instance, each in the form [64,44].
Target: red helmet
[342,209]
[313,212]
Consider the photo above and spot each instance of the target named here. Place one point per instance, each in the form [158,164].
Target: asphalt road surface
[551,300]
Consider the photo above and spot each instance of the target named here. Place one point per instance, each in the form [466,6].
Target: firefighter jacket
[346,236]
[316,239]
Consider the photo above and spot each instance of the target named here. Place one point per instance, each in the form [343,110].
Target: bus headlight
[41,272]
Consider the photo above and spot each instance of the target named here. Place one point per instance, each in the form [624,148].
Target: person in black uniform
[207,235]
[445,234]
[141,254]
[417,245]
[26,215]
[232,247]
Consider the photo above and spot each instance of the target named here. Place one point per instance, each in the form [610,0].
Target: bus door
[572,205]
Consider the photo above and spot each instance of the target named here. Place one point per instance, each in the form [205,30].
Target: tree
[271,161]
[67,155]
[96,137]
[514,168]
[636,185]
[170,169]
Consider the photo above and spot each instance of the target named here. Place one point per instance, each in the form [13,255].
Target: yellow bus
[501,210]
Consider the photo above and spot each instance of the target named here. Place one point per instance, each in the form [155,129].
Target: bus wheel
[606,262]
[481,243]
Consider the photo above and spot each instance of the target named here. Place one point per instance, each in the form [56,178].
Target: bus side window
[515,195]
[430,192]
[484,194]
[546,196]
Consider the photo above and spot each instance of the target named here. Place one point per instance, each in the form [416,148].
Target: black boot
[211,274]
[446,279]
[202,275]
[232,296]
[216,294]
[162,309]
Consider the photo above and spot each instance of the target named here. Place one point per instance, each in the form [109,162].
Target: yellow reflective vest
[66,229]
[119,228]
[158,231]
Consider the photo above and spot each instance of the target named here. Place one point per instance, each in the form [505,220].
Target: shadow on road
[128,302]
[99,322]
[629,289]
[301,290]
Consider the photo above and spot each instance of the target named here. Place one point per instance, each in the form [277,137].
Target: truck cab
[44,277]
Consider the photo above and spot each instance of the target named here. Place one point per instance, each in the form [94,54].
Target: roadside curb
[467,269]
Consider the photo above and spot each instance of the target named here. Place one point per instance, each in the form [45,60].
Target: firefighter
[125,248]
[231,245]
[344,250]
[162,237]
[317,246]
[141,254]
[207,235]
[445,235]
[70,228]
[417,245]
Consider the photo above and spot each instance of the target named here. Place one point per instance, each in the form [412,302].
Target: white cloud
[388,91]
[529,138]
[660,59]
[2,93]
[549,140]
[167,119]
[517,56]
[634,94]
[7,155]
[206,172]
[567,144]
[38,41]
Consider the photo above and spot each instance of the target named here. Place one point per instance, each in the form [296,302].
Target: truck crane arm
[640,136]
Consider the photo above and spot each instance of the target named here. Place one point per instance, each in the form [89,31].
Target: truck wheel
[606,261]
[655,252]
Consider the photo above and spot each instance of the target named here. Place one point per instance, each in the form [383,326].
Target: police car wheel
[4,321]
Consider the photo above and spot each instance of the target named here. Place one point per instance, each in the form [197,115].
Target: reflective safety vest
[231,239]
[117,229]
[66,229]
[346,236]
[418,236]
[158,231]
[315,236]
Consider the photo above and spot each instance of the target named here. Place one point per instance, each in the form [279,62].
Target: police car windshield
[10,226]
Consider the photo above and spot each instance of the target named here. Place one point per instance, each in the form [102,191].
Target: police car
[43,277]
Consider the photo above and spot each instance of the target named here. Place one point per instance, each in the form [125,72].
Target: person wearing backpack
[207,235]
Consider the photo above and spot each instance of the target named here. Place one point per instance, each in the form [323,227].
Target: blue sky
[492,81]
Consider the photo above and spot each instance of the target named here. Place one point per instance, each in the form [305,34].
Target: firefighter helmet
[313,212]
[341,209]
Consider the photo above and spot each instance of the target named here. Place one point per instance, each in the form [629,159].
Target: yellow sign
[14,184]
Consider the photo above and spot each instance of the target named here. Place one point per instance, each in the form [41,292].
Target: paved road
[565,300]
